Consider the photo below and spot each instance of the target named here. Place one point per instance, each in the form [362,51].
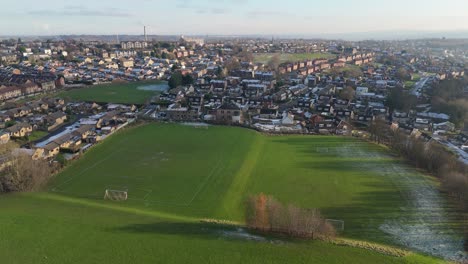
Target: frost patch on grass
[195,124]
[424,222]
[154,87]
[425,238]
[242,234]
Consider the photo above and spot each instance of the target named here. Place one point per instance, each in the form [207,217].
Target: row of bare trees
[20,173]
[436,159]
[266,214]
[430,156]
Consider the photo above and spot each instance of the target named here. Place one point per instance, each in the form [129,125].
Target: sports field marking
[113,206]
[205,181]
[83,171]
[147,194]
[152,154]
[88,168]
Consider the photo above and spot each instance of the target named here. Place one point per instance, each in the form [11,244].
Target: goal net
[115,195]
[337,224]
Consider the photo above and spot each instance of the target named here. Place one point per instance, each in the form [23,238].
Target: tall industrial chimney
[144,30]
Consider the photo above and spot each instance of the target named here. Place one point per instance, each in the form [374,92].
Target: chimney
[144,30]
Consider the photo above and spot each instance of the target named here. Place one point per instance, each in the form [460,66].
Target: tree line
[431,156]
[266,214]
[178,79]
[449,97]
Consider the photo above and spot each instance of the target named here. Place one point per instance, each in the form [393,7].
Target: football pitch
[291,57]
[125,93]
[176,175]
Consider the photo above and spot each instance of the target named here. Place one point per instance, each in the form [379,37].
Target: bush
[266,214]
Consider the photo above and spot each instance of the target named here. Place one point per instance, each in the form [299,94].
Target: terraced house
[19,130]
[7,93]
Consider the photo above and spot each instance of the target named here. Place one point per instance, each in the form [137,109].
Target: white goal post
[337,224]
[115,195]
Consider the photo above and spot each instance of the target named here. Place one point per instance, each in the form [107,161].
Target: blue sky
[269,17]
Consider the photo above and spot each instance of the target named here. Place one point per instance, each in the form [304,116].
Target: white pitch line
[203,184]
[88,168]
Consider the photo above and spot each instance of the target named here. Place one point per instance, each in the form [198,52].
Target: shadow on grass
[205,230]
[209,231]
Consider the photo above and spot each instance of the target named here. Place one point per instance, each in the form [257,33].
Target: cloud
[217,7]
[264,13]
[220,11]
[82,11]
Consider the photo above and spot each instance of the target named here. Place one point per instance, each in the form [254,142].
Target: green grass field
[127,93]
[48,229]
[36,135]
[176,175]
[289,57]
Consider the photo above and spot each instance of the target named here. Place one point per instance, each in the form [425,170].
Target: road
[463,155]
[418,87]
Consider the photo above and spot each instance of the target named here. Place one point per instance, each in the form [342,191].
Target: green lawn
[349,70]
[409,84]
[289,57]
[416,77]
[49,229]
[112,93]
[36,135]
[176,175]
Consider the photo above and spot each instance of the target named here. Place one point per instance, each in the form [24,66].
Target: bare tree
[266,214]
[378,130]
[21,173]
[274,62]
[348,93]
[456,184]
[232,65]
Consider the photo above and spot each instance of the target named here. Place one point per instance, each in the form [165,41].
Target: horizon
[238,18]
[350,36]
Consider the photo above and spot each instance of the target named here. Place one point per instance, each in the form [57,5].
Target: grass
[45,228]
[348,70]
[291,57]
[410,84]
[36,135]
[416,77]
[112,93]
[177,175]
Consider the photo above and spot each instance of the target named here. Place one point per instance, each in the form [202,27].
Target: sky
[230,17]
